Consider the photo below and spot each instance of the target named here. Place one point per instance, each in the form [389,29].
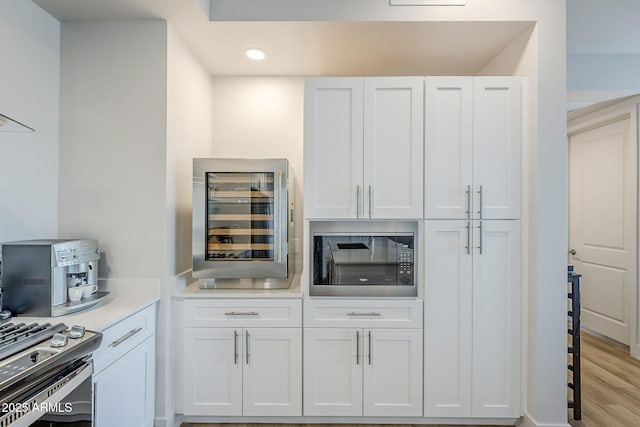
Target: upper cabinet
[472,147]
[363,148]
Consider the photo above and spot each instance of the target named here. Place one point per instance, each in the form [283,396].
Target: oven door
[56,398]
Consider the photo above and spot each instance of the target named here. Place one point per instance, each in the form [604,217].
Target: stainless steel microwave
[364,258]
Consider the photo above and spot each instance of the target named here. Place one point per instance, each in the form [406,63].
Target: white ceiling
[312,48]
[347,48]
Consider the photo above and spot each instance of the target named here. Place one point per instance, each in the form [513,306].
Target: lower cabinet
[359,371]
[124,372]
[243,371]
[124,392]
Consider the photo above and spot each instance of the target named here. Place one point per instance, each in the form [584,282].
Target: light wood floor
[610,385]
[610,389]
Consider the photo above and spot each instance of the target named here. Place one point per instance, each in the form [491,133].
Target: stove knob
[59,340]
[76,331]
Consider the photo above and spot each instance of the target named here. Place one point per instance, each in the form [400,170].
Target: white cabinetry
[472,147]
[232,366]
[362,358]
[124,378]
[472,319]
[363,147]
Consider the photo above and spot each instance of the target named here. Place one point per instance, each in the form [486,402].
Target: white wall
[540,56]
[262,117]
[29,92]
[189,134]
[593,78]
[113,142]
[113,151]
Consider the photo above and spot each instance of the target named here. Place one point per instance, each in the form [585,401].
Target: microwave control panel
[405,266]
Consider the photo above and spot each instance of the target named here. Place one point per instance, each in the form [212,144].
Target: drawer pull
[371,314]
[241,313]
[125,337]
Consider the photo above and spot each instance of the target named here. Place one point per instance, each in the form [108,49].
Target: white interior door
[602,225]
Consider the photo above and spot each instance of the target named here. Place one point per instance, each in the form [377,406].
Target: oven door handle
[125,337]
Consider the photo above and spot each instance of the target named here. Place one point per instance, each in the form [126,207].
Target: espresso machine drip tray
[69,307]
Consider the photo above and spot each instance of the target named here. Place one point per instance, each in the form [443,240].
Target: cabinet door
[333,147]
[272,375]
[497,139]
[447,350]
[448,147]
[332,372]
[393,147]
[496,319]
[392,372]
[212,371]
[124,392]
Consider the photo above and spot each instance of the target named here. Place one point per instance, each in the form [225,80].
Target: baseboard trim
[529,421]
[162,421]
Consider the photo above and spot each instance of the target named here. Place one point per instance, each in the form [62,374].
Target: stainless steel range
[40,366]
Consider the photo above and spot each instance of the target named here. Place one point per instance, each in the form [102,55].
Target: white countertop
[193,291]
[98,318]
[126,297]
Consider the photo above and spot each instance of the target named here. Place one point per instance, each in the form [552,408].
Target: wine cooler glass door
[240,216]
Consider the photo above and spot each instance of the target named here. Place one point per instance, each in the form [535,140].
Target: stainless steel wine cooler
[242,223]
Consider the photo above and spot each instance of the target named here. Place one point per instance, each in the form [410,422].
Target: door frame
[594,117]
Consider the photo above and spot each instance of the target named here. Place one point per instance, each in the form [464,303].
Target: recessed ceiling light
[255,54]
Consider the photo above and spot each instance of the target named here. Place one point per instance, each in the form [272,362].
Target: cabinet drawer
[365,314]
[119,339]
[240,313]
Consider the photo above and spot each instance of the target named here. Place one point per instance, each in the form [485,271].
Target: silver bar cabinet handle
[480,199]
[480,246]
[235,347]
[125,337]
[468,212]
[468,247]
[246,340]
[369,348]
[357,201]
[241,313]
[357,347]
[373,313]
[369,201]
[278,236]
